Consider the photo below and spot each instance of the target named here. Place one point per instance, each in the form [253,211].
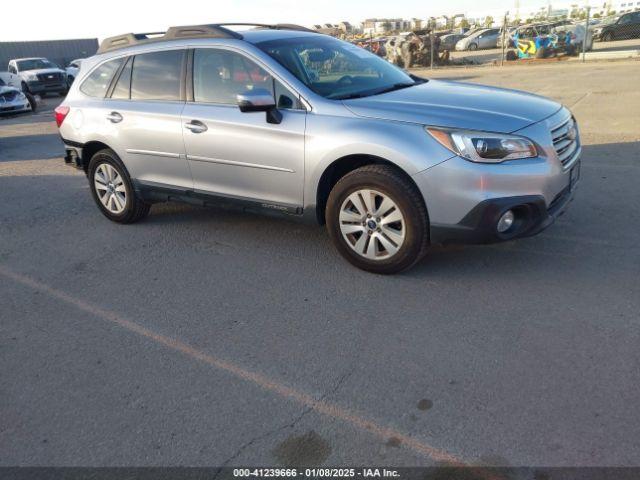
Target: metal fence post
[504,34]
[432,39]
[586,35]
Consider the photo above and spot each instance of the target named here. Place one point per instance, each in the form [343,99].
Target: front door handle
[114,117]
[196,126]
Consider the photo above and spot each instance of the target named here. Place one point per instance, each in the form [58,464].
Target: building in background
[375,26]
[60,52]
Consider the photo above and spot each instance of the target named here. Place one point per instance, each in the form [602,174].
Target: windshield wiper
[369,93]
[394,87]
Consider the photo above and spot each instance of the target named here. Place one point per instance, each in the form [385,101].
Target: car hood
[43,71]
[457,105]
[6,89]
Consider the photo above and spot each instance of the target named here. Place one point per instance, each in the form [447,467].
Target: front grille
[566,141]
[50,77]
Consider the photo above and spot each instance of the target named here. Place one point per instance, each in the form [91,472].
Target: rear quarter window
[97,83]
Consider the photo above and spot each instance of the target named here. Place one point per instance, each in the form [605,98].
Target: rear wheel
[112,189]
[377,220]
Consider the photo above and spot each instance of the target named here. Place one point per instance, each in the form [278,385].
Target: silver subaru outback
[278,118]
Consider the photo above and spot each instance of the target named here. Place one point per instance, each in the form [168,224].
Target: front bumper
[465,200]
[15,106]
[41,87]
[479,225]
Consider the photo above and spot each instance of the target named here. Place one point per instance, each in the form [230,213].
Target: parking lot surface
[204,337]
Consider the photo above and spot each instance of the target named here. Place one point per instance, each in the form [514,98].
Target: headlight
[21,96]
[484,147]
[32,77]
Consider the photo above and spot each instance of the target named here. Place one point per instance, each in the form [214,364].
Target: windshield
[610,20]
[336,69]
[34,64]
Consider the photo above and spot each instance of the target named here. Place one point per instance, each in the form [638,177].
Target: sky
[90,19]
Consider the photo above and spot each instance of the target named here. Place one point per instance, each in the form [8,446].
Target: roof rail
[174,33]
[214,30]
[270,26]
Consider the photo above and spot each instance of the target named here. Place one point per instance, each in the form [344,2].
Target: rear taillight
[61,113]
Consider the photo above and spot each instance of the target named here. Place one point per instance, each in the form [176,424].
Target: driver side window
[220,75]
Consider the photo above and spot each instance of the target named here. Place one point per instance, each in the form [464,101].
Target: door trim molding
[154,153]
[234,163]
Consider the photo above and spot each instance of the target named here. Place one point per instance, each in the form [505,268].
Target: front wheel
[112,189]
[472,47]
[377,219]
[608,37]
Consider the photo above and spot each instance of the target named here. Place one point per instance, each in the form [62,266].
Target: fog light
[505,222]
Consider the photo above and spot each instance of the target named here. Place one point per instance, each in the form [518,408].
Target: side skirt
[156,193]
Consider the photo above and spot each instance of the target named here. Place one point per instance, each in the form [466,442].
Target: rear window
[157,75]
[98,81]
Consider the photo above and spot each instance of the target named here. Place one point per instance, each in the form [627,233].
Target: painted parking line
[320,406]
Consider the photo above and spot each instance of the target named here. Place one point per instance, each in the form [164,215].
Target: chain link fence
[577,35]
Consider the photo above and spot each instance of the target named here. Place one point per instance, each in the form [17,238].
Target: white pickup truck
[39,76]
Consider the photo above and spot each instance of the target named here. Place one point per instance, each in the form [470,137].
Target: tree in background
[464,23]
[488,21]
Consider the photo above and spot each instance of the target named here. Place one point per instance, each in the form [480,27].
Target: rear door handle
[196,126]
[114,117]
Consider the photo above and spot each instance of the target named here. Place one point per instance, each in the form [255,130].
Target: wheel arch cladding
[342,166]
[89,150]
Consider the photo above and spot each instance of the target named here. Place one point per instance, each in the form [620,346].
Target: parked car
[39,75]
[541,40]
[619,28]
[12,100]
[508,38]
[11,95]
[390,162]
[577,33]
[448,42]
[486,38]
[72,70]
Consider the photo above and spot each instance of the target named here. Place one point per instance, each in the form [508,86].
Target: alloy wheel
[372,224]
[110,188]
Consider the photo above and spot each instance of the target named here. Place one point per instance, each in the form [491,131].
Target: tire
[541,52]
[511,55]
[608,37]
[129,209]
[472,47]
[25,87]
[32,101]
[397,244]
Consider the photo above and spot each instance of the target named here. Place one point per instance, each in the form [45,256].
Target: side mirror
[259,100]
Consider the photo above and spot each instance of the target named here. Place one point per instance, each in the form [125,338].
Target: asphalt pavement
[204,337]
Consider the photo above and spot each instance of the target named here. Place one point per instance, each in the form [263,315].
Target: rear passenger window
[98,82]
[156,76]
[121,90]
